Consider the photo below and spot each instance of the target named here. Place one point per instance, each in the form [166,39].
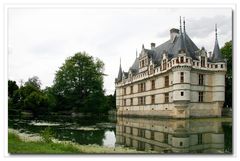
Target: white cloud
[41,39]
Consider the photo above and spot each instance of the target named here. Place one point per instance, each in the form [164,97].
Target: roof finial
[120,61]
[143,46]
[184,24]
[216,30]
[180,25]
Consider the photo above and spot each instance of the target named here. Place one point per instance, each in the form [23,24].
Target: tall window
[166,81]
[141,87]
[131,101]
[124,102]
[143,63]
[202,61]
[200,79]
[166,97]
[164,64]
[182,77]
[200,97]
[153,84]
[151,69]
[153,99]
[131,87]
[141,100]
[124,91]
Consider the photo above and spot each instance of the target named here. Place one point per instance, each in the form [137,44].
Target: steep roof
[217,56]
[177,43]
[119,78]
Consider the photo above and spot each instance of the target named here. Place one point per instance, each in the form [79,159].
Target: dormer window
[203,64]
[151,69]
[164,64]
[181,59]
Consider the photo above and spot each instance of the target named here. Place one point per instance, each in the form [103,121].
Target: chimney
[153,45]
[173,33]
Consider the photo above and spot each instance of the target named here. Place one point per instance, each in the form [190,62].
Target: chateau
[175,80]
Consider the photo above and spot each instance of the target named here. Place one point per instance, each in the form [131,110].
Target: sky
[40,39]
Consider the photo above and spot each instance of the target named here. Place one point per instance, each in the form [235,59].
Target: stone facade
[175,79]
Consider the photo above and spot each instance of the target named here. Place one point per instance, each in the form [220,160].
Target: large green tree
[78,84]
[226,50]
[12,87]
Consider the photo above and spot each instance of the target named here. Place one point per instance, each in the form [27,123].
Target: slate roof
[217,56]
[119,78]
[173,47]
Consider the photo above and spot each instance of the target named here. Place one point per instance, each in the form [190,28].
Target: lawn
[17,146]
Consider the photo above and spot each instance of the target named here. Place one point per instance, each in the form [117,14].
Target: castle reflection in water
[171,136]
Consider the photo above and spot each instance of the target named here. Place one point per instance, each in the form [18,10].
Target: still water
[143,134]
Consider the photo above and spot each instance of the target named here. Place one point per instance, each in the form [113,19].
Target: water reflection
[171,136]
[109,139]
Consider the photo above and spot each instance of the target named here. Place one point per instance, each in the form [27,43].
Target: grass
[20,144]
[17,146]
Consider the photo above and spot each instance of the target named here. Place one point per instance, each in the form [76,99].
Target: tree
[226,50]
[12,87]
[36,102]
[78,84]
[34,81]
[29,98]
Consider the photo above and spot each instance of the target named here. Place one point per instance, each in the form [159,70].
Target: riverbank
[22,143]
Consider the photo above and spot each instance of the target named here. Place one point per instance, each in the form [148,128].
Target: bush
[47,135]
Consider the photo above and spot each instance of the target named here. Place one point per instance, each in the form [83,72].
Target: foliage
[47,135]
[78,84]
[226,50]
[78,87]
[29,98]
[36,102]
[111,102]
[12,87]
[34,81]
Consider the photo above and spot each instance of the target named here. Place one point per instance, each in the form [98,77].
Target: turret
[217,56]
[119,78]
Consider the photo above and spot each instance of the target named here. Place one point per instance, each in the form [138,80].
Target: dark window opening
[153,99]
[166,81]
[200,97]
[153,84]
[182,77]
[181,59]
[166,97]
[200,79]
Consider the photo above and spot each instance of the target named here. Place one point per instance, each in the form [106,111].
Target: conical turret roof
[217,56]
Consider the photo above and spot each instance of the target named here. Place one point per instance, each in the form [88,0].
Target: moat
[210,135]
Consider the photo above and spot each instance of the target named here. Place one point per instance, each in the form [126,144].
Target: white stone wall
[213,90]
